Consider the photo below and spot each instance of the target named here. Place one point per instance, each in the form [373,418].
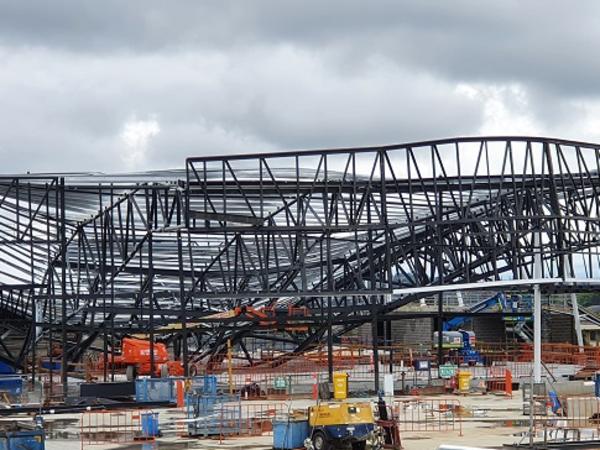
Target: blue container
[597,384]
[155,390]
[150,425]
[23,440]
[13,385]
[6,369]
[210,385]
[54,366]
[288,435]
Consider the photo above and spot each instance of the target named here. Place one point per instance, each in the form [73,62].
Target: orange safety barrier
[499,381]
[180,393]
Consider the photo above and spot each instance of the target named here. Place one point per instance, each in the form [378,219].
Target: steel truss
[350,234]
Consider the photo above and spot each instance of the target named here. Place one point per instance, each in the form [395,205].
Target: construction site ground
[486,421]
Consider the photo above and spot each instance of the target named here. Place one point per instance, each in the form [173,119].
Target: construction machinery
[274,318]
[460,345]
[517,324]
[341,425]
[497,303]
[267,317]
[135,359]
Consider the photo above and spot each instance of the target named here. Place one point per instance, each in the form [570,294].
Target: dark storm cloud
[130,85]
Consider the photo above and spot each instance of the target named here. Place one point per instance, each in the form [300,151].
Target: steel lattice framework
[350,234]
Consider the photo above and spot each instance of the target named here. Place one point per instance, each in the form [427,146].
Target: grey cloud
[540,41]
[207,104]
[225,76]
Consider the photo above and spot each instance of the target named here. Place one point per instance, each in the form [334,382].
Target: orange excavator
[135,359]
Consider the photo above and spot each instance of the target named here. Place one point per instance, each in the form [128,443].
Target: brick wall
[558,329]
[489,329]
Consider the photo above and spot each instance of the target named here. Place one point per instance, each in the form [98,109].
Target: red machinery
[135,359]
[277,318]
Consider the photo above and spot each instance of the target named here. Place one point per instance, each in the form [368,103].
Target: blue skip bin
[289,435]
[23,440]
[11,385]
[150,426]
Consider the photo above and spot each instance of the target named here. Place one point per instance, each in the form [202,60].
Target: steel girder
[351,234]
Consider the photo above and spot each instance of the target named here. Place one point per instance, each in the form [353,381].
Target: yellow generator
[340,425]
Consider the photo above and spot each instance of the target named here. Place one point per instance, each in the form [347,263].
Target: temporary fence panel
[217,415]
[575,418]
[110,427]
[582,412]
[428,415]
[257,418]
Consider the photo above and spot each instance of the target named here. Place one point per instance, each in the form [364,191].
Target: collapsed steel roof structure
[351,234]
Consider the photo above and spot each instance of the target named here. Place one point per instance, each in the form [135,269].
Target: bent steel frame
[350,235]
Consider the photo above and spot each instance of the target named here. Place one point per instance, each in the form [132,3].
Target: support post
[34,305]
[440,269]
[112,288]
[182,296]
[537,310]
[34,332]
[229,366]
[388,331]
[459,299]
[574,305]
[440,330]
[577,321]
[537,334]
[329,340]
[151,225]
[375,348]
[63,286]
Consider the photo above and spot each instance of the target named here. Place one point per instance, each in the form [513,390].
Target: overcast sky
[133,85]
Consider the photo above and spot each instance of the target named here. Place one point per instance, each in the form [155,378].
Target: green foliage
[588,299]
